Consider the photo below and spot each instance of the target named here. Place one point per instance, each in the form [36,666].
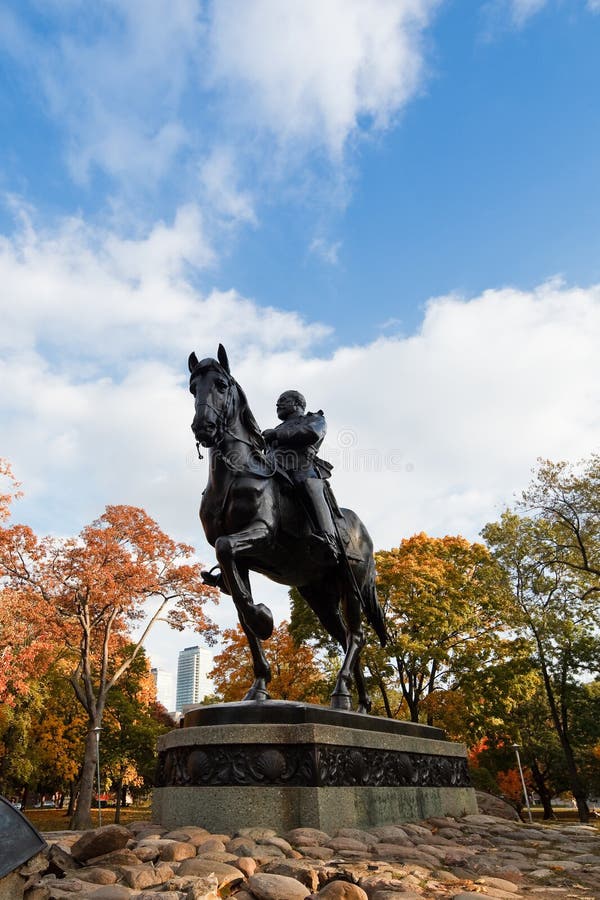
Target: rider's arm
[310,429]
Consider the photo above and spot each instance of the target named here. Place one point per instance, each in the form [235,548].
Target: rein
[223,418]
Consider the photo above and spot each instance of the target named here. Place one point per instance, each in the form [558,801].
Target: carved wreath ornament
[297,765]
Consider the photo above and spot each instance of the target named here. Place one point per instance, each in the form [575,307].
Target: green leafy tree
[567,497]
[508,706]
[132,725]
[554,606]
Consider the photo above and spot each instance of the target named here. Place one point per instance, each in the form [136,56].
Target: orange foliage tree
[511,786]
[442,599]
[90,591]
[26,641]
[9,488]
[294,669]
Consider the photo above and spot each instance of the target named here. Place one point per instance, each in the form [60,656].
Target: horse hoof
[259,620]
[257,696]
[341,701]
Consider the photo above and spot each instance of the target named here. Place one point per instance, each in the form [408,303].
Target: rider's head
[290,403]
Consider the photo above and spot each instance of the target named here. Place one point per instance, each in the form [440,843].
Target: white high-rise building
[164,687]
[193,683]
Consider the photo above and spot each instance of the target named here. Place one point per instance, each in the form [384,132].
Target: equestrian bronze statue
[268,508]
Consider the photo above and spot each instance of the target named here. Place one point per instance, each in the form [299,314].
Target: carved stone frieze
[307,765]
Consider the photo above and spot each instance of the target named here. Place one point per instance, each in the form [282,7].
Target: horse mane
[248,420]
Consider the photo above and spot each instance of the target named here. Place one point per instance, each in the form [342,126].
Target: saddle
[299,526]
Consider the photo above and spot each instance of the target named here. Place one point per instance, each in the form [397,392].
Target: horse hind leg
[325,603]
[355,641]
[364,700]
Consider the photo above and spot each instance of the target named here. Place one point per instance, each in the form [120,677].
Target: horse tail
[371,605]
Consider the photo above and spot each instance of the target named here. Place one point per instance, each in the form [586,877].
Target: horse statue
[252,516]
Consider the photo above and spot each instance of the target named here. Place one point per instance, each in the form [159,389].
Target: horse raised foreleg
[256,617]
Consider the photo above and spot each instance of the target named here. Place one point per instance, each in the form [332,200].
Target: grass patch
[562,816]
[57,819]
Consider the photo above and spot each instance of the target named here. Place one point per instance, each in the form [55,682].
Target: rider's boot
[326,536]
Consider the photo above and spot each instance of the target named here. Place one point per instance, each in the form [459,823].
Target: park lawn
[57,820]
[562,817]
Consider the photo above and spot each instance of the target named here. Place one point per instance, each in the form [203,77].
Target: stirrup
[328,543]
[210,579]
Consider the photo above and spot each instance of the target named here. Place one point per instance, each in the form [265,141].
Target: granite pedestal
[288,765]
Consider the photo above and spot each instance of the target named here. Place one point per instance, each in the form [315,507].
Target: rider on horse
[294,445]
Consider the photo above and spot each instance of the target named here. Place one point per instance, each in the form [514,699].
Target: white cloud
[468,404]
[316,72]
[433,431]
[113,78]
[126,83]
[88,293]
[523,10]
[219,179]
[326,250]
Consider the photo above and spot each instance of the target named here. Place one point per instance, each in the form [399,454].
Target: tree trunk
[82,817]
[118,789]
[72,798]
[575,783]
[386,699]
[413,707]
[542,789]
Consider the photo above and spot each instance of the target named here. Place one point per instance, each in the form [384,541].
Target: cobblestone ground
[475,856]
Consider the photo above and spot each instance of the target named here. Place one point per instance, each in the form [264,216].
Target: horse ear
[222,357]
[192,361]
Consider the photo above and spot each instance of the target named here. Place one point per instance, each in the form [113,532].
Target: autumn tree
[294,669]
[555,605]
[9,489]
[442,598]
[91,591]
[26,643]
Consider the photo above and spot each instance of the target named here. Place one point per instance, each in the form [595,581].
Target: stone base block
[288,765]
[225,809]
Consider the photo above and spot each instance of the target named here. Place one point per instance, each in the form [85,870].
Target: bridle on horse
[222,416]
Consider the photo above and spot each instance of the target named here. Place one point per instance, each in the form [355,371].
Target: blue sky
[391,206]
[487,176]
